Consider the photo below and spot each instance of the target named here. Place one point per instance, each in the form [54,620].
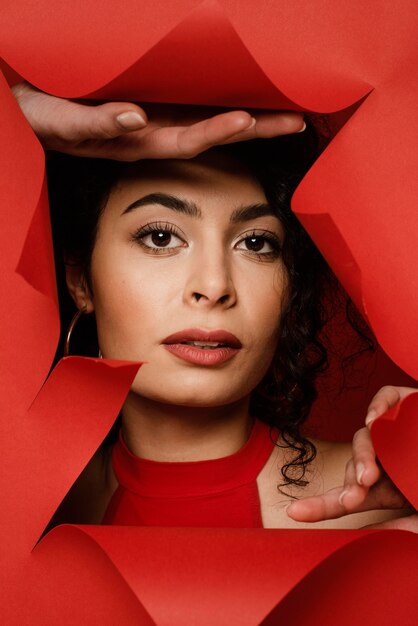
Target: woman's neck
[161,432]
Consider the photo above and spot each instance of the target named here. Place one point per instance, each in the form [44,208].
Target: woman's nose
[210,282]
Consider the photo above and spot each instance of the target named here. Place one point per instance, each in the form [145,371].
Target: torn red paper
[357,202]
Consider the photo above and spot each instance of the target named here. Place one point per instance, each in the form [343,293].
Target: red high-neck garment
[218,492]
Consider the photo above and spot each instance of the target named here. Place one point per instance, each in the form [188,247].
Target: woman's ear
[78,287]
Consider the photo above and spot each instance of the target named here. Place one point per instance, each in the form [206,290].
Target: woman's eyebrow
[242,214]
[247,213]
[167,200]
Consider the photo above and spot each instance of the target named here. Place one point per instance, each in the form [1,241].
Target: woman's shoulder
[329,466]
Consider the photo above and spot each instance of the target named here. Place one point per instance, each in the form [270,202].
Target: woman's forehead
[211,172]
[206,188]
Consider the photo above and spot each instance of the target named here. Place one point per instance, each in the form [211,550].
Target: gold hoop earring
[71,327]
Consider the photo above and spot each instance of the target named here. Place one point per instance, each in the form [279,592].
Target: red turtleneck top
[215,493]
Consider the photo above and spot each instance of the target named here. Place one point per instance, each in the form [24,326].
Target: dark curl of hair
[79,189]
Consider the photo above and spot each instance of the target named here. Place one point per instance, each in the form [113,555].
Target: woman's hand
[366,487]
[123,131]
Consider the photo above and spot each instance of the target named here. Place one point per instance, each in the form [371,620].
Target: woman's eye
[260,245]
[257,244]
[158,239]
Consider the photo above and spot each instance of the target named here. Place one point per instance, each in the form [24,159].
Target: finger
[367,471]
[384,399]
[271,124]
[316,508]
[331,505]
[356,490]
[74,123]
[218,130]
[409,522]
[185,142]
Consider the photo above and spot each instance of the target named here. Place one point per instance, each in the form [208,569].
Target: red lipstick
[203,347]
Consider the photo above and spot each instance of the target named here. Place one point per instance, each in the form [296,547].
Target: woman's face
[189,247]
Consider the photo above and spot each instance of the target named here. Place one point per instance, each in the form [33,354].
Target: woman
[109,130]
[208,270]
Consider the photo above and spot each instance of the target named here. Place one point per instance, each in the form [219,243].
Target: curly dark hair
[78,191]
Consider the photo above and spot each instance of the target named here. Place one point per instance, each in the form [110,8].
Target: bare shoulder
[329,465]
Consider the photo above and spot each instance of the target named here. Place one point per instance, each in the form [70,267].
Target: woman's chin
[197,398]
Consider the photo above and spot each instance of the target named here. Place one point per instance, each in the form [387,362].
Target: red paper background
[358,203]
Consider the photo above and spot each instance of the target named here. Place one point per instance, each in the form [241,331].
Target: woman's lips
[206,352]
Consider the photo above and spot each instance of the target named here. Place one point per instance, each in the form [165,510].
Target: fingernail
[359,472]
[131,120]
[252,124]
[371,416]
[342,496]
[302,129]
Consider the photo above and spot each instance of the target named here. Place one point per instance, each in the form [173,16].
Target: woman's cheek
[268,297]
[133,307]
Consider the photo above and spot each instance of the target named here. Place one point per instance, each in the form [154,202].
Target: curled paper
[227,576]
[358,204]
